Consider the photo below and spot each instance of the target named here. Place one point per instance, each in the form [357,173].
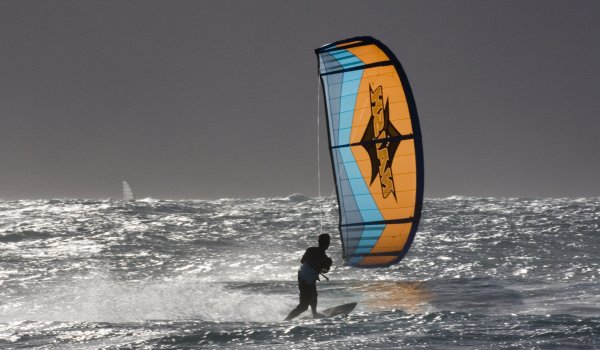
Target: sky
[214,99]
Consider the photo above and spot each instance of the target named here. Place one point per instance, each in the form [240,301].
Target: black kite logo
[381,142]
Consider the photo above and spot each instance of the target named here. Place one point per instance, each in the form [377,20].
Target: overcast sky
[211,99]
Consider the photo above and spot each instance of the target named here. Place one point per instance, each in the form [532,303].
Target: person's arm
[326,264]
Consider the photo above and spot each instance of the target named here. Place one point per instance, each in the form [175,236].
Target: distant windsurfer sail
[376,150]
[127,193]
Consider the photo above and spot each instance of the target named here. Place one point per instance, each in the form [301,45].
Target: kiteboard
[344,309]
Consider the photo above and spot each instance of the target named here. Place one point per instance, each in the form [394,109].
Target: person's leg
[313,300]
[305,300]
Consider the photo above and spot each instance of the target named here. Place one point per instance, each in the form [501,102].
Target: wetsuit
[314,261]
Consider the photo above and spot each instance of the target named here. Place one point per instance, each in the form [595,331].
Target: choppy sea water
[483,273]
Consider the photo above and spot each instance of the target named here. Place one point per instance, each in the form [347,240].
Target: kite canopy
[376,150]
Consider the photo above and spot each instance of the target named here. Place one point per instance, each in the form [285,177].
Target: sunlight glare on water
[222,273]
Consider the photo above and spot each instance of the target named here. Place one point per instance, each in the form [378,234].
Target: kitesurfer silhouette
[314,261]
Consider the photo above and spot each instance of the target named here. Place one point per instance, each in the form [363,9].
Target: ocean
[482,273]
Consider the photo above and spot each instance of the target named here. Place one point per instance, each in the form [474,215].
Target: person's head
[324,241]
